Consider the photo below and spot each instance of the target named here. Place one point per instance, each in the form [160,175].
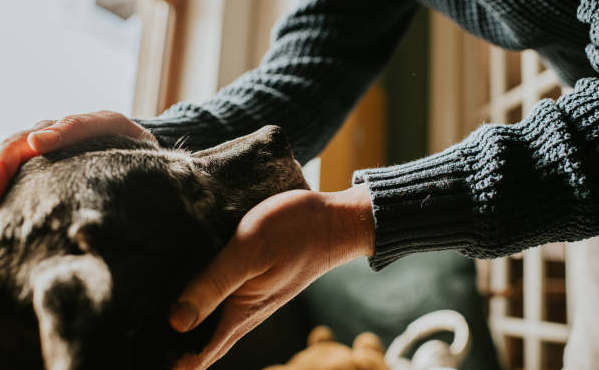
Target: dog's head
[96,242]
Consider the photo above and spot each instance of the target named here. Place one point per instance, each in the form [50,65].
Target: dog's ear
[70,296]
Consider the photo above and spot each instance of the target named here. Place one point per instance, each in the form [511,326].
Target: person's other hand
[50,135]
[280,247]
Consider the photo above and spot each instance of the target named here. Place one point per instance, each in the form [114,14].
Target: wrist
[354,222]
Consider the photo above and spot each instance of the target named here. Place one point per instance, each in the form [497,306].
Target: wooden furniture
[474,83]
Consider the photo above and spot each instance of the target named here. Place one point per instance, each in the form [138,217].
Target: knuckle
[43,124]
[6,142]
[220,285]
[109,114]
[71,121]
[14,139]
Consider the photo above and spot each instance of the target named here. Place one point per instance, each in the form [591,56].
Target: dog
[99,239]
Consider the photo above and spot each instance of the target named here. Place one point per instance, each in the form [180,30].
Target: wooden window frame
[463,68]
[191,48]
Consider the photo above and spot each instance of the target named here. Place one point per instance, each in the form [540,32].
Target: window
[64,56]
[527,295]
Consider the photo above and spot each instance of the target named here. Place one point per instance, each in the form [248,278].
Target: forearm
[504,188]
[500,191]
[323,57]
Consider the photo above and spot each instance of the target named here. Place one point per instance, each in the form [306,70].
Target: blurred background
[137,57]
[64,56]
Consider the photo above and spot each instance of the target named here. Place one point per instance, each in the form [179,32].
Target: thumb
[223,276]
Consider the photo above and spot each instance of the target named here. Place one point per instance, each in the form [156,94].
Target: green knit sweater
[500,191]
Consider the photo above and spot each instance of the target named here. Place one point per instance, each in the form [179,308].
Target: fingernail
[43,139]
[183,316]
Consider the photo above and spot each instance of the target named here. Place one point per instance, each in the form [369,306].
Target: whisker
[182,141]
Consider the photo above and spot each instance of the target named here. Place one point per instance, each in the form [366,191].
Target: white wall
[59,57]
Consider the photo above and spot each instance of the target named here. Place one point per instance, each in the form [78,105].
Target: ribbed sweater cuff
[419,206]
[499,191]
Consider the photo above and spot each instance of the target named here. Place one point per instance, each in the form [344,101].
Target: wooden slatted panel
[528,313]
[510,101]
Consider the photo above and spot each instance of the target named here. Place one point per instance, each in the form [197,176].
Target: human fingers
[76,128]
[14,151]
[42,125]
[236,320]
[225,274]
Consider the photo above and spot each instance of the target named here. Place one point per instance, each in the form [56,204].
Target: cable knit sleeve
[504,188]
[322,58]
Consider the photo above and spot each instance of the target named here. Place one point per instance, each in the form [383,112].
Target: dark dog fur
[97,241]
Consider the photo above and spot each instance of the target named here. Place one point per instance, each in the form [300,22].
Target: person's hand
[50,135]
[280,247]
